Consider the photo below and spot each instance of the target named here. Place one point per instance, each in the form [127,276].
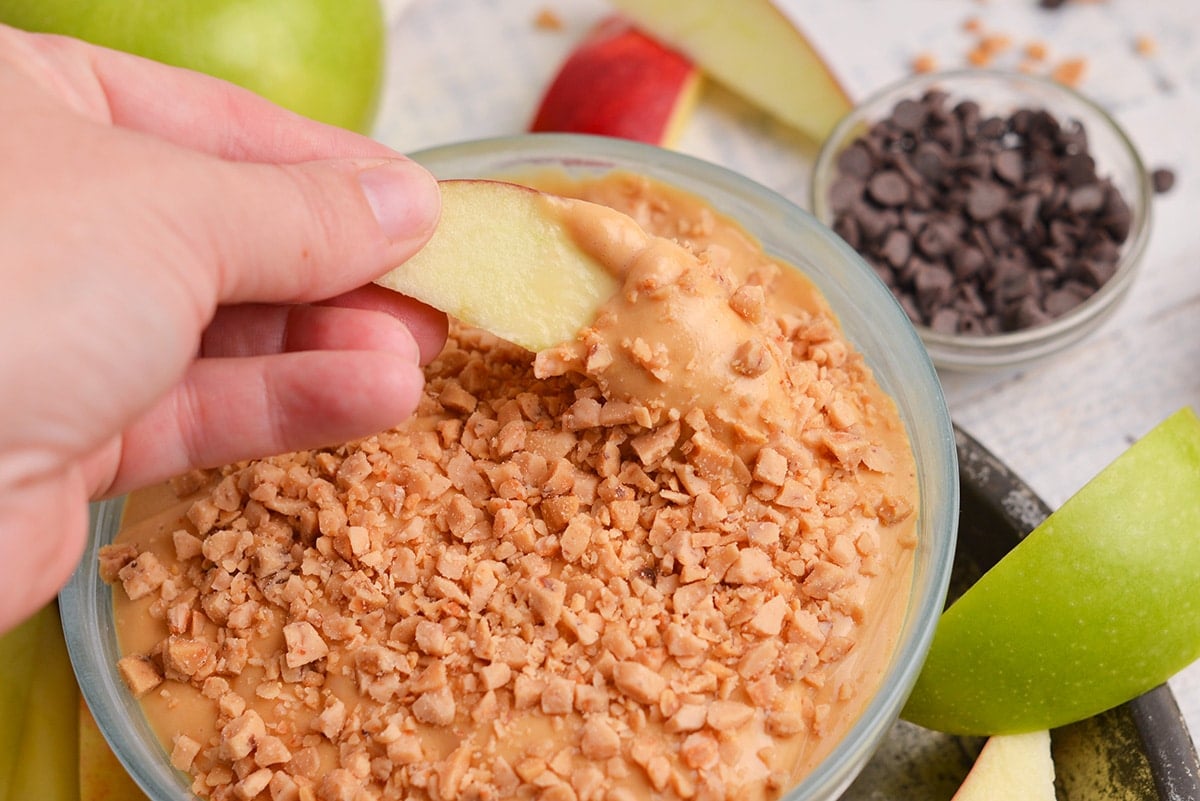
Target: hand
[183,268]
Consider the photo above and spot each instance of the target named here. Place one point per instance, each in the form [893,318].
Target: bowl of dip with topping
[696,552]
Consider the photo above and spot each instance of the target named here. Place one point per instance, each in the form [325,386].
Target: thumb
[309,231]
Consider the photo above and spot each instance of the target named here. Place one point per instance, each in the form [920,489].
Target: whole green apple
[321,58]
[1099,604]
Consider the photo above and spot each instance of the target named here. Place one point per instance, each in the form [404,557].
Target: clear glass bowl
[1000,93]
[871,318]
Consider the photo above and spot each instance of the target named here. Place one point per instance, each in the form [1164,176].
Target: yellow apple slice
[620,82]
[753,49]
[503,259]
[1011,766]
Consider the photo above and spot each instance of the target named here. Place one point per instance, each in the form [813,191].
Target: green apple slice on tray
[1100,603]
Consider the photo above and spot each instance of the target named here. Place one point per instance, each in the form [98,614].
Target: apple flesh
[1011,766]
[1099,604]
[754,50]
[501,259]
[620,82]
[321,58]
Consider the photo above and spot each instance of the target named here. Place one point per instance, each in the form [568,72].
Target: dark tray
[1140,751]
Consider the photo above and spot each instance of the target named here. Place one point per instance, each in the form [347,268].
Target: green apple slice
[1099,604]
[503,259]
[1011,766]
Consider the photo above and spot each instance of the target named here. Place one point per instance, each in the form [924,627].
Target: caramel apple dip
[666,560]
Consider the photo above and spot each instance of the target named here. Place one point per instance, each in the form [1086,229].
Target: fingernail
[404,198]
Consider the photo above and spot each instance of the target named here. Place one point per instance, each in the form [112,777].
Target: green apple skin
[321,58]
[1097,605]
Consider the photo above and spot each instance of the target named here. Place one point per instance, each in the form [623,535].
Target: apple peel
[620,82]
[1099,604]
[503,260]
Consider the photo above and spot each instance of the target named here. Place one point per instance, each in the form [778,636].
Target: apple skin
[1099,604]
[620,82]
[753,49]
[321,58]
[503,260]
[1011,766]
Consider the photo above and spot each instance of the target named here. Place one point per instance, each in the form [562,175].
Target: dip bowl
[872,320]
[1000,93]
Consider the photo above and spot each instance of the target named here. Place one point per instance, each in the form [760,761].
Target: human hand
[183,268]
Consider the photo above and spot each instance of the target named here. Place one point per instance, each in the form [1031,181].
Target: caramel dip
[666,560]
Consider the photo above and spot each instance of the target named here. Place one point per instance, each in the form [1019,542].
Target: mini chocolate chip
[945,321]
[1079,169]
[929,159]
[897,247]
[909,115]
[1009,166]
[847,228]
[856,161]
[845,191]
[967,262]
[1025,212]
[1061,301]
[1163,180]
[992,128]
[1028,314]
[888,188]
[936,239]
[1087,199]
[985,200]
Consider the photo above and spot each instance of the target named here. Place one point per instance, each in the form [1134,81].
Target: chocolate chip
[897,248]
[980,224]
[1009,167]
[985,200]
[909,115]
[844,192]
[856,161]
[1087,199]
[888,188]
[967,262]
[1163,180]
[936,239]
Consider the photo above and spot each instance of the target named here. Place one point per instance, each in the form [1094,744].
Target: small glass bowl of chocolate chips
[1006,212]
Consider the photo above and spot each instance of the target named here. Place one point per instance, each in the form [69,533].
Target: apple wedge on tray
[620,82]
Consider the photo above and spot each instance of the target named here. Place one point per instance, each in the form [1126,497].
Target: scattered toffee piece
[981,224]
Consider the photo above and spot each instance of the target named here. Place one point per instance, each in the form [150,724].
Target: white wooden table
[464,69]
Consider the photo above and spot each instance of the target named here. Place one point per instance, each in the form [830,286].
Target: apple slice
[1099,604]
[620,82]
[504,259]
[753,49]
[1011,766]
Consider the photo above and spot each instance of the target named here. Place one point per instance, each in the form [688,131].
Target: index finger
[194,110]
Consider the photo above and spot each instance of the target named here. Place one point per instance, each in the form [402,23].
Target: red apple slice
[753,49]
[620,82]
[503,258]
[1011,766]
